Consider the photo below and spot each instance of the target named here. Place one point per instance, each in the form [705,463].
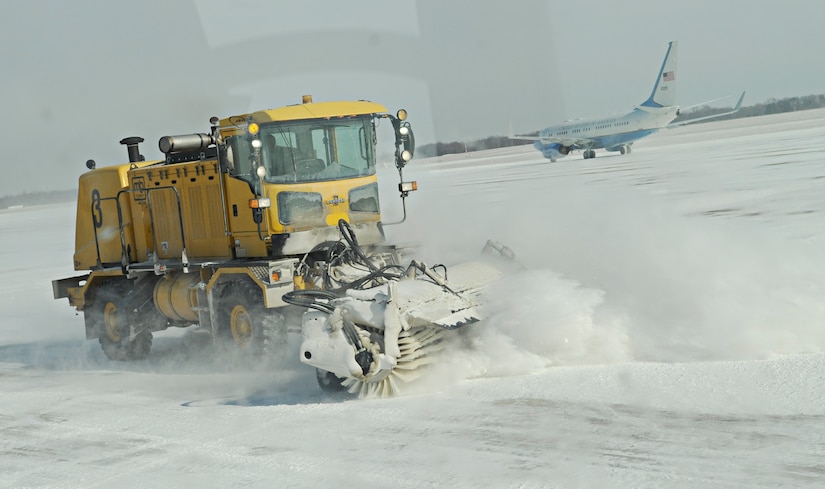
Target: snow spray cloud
[644,280]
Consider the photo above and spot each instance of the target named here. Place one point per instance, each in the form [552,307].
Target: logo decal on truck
[139,184]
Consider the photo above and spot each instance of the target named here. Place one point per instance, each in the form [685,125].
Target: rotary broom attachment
[382,327]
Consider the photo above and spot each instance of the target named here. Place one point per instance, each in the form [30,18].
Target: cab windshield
[317,150]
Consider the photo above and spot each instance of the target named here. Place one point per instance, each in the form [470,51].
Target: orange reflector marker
[276,275]
[259,203]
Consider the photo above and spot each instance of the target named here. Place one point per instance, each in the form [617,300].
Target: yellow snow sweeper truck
[267,212]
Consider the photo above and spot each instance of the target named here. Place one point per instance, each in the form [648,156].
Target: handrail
[124,258]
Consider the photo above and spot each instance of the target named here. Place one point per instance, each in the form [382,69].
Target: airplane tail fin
[664,90]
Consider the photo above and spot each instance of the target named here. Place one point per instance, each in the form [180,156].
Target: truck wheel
[112,323]
[244,319]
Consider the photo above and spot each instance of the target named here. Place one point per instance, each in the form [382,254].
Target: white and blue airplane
[618,133]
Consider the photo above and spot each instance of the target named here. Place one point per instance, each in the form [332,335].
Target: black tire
[243,319]
[329,382]
[111,322]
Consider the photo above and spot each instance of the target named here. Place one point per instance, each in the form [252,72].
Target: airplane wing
[572,143]
[525,138]
[714,116]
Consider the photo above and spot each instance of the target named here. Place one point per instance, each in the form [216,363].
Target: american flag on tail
[668,76]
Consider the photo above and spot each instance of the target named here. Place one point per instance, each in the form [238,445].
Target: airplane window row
[613,124]
[602,126]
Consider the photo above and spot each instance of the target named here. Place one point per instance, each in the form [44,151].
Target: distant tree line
[438,149]
[770,106]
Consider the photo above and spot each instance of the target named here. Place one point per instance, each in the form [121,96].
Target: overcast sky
[79,76]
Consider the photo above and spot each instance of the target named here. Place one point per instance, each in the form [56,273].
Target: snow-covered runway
[668,331]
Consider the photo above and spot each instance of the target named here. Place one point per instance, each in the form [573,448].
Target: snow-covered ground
[668,331]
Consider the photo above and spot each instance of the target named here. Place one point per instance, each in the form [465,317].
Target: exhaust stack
[132,148]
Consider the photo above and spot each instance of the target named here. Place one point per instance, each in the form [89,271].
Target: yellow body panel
[97,214]
[197,186]
[77,294]
[321,110]
[245,238]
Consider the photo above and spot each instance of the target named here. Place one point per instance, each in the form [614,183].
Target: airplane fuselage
[615,133]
